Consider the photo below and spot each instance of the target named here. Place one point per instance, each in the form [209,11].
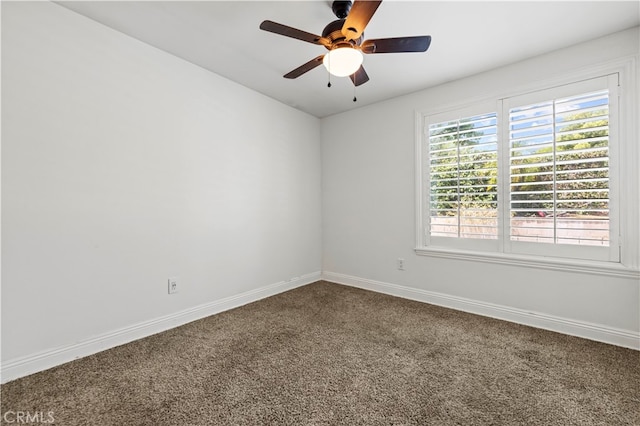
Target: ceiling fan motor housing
[333,32]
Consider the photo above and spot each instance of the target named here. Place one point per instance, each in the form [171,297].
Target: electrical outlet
[173,285]
[400,264]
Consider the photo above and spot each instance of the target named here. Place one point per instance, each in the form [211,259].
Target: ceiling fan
[344,40]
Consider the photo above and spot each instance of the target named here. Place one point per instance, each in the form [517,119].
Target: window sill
[567,265]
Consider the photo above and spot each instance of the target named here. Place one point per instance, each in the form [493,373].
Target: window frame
[624,177]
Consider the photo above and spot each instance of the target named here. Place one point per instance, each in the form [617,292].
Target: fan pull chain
[354,93]
[329,72]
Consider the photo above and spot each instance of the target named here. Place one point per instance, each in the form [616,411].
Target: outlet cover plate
[173,285]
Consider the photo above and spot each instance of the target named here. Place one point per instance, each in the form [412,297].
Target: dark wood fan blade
[396,45]
[358,18]
[359,77]
[286,31]
[305,67]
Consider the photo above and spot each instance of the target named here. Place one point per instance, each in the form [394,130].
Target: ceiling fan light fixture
[343,61]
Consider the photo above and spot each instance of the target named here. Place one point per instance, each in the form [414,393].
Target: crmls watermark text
[24,417]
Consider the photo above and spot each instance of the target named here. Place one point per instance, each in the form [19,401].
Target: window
[533,174]
[462,174]
[559,177]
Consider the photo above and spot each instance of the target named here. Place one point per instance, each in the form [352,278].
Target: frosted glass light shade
[342,61]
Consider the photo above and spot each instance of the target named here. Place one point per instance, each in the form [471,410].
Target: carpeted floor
[326,354]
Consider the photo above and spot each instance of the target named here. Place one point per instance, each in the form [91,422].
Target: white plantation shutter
[559,169]
[462,177]
[560,185]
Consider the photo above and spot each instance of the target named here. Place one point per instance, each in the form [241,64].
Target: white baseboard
[24,366]
[16,368]
[624,338]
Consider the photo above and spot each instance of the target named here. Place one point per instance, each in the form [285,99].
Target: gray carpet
[326,354]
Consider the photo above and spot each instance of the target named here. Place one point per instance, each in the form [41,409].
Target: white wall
[369,213]
[122,166]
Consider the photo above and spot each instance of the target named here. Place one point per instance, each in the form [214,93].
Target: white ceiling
[467,38]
